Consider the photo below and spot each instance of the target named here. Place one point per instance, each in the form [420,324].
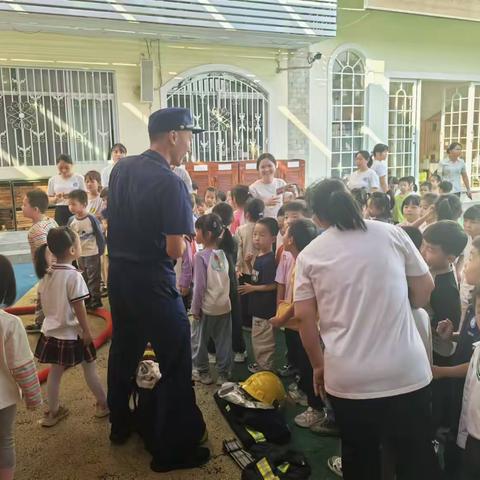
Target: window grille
[45,112]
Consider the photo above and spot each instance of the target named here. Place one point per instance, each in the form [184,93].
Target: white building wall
[123,57]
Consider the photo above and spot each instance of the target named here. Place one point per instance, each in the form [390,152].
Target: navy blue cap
[168,119]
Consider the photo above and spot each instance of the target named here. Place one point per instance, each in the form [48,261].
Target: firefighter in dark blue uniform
[149,211]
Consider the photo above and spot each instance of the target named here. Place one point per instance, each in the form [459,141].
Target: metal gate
[402,128]
[45,112]
[232,110]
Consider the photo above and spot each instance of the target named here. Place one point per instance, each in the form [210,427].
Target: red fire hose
[105,334]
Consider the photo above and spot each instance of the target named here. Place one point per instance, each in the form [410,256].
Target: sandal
[49,420]
[101,412]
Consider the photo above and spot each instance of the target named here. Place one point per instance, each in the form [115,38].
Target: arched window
[348,111]
[233,110]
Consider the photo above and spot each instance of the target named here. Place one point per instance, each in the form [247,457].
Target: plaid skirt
[67,353]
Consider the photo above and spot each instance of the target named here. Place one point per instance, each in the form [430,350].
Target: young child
[425,187]
[247,252]
[184,271]
[225,212]
[293,211]
[471,225]
[405,189]
[411,209]
[448,207]
[465,341]
[299,234]
[104,222]
[361,197]
[469,427]
[211,307]
[445,187]
[240,195]
[443,242]
[262,294]
[210,199]
[93,182]
[392,190]
[17,371]
[427,212]
[35,204]
[200,207]
[435,180]
[378,207]
[420,316]
[281,230]
[92,244]
[65,340]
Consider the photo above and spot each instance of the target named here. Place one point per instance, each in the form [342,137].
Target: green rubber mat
[316,448]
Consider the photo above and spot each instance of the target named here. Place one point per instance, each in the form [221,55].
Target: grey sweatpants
[7,440]
[92,273]
[219,328]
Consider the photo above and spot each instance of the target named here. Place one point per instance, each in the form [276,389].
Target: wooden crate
[224,175]
[292,171]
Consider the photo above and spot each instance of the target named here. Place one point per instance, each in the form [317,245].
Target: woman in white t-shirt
[374,366]
[363,177]
[59,186]
[118,151]
[378,163]
[268,188]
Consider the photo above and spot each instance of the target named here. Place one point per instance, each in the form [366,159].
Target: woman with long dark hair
[374,367]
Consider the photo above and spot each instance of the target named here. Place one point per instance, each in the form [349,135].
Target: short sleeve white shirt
[470,417]
[57,184]
[266,191]
[367,179]
[380,168]
[359,279]
[14,353]
[62,286]
[105,175]
[452,172]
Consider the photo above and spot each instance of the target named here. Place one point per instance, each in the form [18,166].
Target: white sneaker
[212,358]
[309,417]
[335,465]
[240,357]
[204,378]
[221,379]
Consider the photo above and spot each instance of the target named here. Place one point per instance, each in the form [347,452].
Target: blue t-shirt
[146,202]
[263,304]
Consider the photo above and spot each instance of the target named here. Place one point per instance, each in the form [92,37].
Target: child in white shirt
[35,204]
[469,428]
[17,371]
[92,244]
[65,340]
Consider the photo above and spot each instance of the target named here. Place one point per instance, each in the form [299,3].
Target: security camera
[314,58]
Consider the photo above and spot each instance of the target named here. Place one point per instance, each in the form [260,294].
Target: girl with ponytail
[65,340]
[211,306]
